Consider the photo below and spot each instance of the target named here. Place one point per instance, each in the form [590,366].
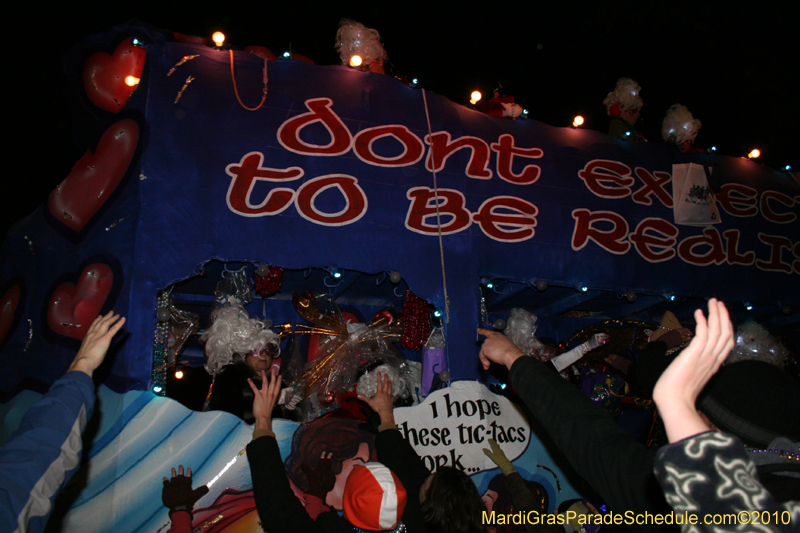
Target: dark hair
[504,504]
[339,436]
[452,503]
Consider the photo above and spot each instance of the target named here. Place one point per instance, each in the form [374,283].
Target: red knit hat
[374,499]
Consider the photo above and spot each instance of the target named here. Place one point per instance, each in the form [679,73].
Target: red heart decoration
[95,176]
[104,75]
[73,308]
[8,306]
[262,52]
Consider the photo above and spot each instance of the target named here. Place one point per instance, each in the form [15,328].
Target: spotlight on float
[525,112]
[395,277]
[157,389]
[487,282]
[669,296]
[218,37]
[754,153]
[630,296]
[787,168]
[287,55]
[415,82]
[581,287]
[712,149]
[131,81]
[336,273]
[499,324]
[540,284]
[437,313]
[179,374]
[748,306]
[355,60]
[474,97]
[577,121]
[137,42]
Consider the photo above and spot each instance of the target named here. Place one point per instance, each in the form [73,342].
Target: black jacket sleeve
[399,456]
[278,508]
[618,467]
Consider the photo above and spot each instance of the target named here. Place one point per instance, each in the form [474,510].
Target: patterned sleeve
[710,476]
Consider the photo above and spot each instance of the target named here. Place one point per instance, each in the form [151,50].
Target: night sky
[734,69]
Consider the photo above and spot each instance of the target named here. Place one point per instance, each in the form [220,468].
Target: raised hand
[678,387]
[265,399]
[96,342]
[497,348]
[177,493]
[383,401]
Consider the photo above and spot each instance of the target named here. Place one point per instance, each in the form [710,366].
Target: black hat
[754,400]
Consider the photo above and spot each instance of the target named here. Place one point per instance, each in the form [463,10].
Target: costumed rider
[623,105]
[680,128]
[355,39]
[237,348]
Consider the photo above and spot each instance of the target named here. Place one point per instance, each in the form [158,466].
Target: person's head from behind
[451,502]
[374,498]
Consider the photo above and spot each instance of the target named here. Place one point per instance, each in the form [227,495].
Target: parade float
[211,161]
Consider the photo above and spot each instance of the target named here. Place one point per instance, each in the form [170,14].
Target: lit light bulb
[748,306]
[577,121]
[355,61]
[179,374]
[437,313]
[474,97]
[157,389]
[415,81]
[787,167]
[131,81]
[218,37]
[754,153]
[287,55]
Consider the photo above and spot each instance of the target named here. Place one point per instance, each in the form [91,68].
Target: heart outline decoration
[73,307]
[95,176]
[104,75]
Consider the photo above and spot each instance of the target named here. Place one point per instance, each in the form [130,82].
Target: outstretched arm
[676,391]
[178,496]
[95,344]
[264,400]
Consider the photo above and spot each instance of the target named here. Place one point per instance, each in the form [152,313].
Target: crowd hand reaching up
[177,493]
[497,348]
[265,399]
[678,387]
[498,457]
[96,342]
[383,401]
[321,479]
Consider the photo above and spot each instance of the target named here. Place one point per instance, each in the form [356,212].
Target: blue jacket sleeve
[43,453]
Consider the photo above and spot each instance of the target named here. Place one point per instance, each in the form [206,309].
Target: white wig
[232,332]
[520,328]
[626,94]
[679,125]
[353,38]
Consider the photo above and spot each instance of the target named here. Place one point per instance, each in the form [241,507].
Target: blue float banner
[347,168]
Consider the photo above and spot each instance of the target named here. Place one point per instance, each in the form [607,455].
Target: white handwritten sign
[453,425]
